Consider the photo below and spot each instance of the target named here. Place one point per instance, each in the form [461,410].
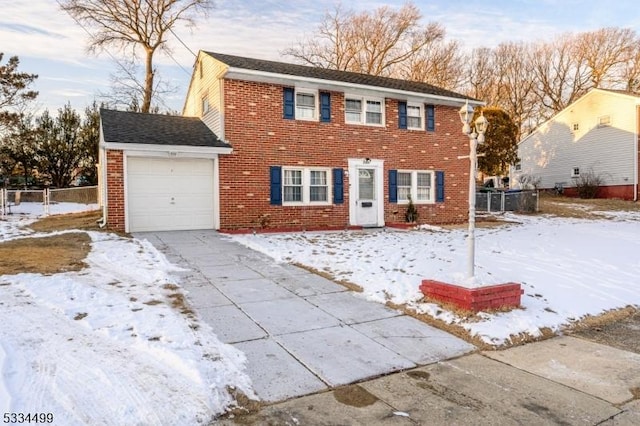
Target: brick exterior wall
[261,137]
[115,190]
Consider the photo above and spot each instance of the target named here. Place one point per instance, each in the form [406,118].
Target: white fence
[31,201]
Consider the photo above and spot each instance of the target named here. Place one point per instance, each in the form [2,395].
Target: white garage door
[169,194]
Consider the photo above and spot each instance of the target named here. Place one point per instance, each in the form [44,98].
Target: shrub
[587,184]
[530,181]
[411,215]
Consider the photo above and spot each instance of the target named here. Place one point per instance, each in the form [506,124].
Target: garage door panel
[169,194]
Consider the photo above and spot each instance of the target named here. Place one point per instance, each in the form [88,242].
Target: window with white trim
[305,186]
[518,167]
[417,185]
[361,110]
[575,172]
[575,127]
[415,114]
[306,105]
[604,121]
[205,104]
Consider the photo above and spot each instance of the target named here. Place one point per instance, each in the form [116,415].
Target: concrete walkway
[300,332]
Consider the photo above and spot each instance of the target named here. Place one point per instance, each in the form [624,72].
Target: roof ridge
[279,67]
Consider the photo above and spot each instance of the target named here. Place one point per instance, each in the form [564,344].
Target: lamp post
[481,123]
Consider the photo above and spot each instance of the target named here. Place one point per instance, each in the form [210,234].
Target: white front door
[366,208]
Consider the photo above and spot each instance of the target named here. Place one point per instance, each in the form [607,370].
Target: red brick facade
[115,190]
[261,137]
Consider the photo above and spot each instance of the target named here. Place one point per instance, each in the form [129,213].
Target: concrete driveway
[300,332]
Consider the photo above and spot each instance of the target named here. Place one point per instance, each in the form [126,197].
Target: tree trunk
[148,82]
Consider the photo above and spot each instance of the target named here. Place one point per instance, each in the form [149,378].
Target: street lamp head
[481,124]
[466,115]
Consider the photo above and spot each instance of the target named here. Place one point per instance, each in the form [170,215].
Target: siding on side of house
[209,86]
[555,148]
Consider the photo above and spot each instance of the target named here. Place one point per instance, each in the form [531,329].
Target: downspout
[102,182]
[636,154]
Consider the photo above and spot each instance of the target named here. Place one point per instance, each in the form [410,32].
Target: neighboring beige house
[597,133]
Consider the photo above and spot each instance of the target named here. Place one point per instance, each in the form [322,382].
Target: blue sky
[50,44]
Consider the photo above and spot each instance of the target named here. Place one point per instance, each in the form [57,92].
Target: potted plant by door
[411,215]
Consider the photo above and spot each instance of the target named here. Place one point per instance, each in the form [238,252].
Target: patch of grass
[45,255]
[80,315]
[582,209]
[354,396]
[351,286]
[602,320]
[152,302]
[87,221]
[171,287]
[179,302]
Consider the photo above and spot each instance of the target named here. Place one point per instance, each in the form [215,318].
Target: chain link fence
[507,201]
[30,201]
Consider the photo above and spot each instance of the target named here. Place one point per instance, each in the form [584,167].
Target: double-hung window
[306,105]
[305,185]
[416,185]
[415,114]
[360,110]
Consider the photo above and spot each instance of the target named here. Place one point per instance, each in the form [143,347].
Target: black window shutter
[393,186]
[440,187]
[402,115]
[325,107]
[338,186]
[289,103]
[275,173]
[430,112]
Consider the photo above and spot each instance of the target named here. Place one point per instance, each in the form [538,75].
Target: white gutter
[186,149]
[240,72]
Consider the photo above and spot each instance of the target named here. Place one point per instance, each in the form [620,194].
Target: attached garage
[159,172]
[167,194]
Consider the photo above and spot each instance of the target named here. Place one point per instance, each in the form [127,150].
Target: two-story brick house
[311,148]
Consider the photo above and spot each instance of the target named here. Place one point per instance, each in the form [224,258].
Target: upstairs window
[604,121]
[575,172]
[414,117]
[353,111]
[306,105]
[205,105]
[360,110]
[300,104]
[575,127]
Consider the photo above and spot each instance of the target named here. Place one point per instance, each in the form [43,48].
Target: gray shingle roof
[157,129]
[333,75]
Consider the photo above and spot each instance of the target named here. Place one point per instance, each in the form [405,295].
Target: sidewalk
[561,381]
[300,332]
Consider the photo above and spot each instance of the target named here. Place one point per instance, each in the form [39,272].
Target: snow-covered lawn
[569,268]
[104,346]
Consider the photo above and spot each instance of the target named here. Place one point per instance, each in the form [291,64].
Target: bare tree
[481,76]
[135,24]
[606,51]
[375,43]
[516,95]
[630,74]
[438,63]
[561,73]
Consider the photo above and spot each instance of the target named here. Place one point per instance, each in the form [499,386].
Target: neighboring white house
[598,133]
